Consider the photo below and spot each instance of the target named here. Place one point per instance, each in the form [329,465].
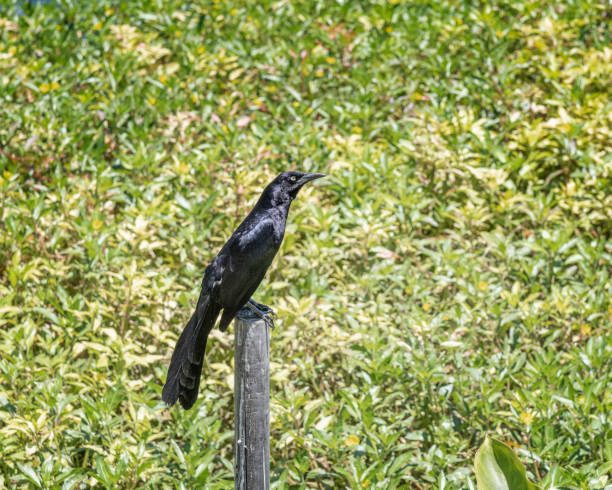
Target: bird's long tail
[185,368]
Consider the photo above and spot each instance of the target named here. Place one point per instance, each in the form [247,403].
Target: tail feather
[185,368]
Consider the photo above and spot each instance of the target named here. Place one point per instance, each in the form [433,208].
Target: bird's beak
[308,177]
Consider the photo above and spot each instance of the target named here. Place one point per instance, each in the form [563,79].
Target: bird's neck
[275,198]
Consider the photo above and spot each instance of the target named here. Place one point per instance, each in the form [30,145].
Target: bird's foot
[266,310]
[261,311]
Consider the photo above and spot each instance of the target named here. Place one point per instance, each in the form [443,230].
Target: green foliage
[498,468]
[451,278]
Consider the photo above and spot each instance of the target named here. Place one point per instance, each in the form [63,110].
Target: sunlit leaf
[498,468]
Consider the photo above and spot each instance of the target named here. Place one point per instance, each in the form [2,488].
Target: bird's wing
[251,239]
[250,248]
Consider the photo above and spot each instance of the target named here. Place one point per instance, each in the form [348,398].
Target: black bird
[230,280]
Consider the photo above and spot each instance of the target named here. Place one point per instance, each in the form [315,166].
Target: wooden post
[251,403]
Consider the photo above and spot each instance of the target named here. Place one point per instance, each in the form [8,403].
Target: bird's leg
[260,311]
[263,308]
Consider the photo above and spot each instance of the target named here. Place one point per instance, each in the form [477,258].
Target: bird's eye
[293,178]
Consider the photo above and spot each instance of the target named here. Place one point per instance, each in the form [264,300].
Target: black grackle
[230,280]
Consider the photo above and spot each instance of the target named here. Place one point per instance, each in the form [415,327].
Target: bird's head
[285,187]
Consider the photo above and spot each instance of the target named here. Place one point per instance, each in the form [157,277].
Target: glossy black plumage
[230,280]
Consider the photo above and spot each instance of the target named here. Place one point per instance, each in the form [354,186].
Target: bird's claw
[269,321]
[263,308]
[262,311]
[271,314]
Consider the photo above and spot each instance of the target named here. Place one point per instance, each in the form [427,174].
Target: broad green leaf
[30,474]
[498,468]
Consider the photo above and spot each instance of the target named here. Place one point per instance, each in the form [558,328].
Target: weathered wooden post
[251,403]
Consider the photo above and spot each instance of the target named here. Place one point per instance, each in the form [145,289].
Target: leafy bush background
[450,278]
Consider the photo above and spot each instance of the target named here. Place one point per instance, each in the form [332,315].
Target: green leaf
[30,474]
[182,202]
[498,468]
[103,472]
[47,313]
